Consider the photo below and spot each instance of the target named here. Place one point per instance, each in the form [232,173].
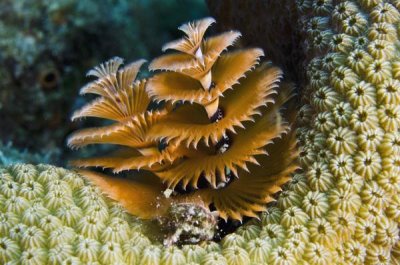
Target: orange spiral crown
[219,133]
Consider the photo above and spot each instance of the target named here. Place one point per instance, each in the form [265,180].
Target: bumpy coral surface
[349,133]
[49,215]
[344,208]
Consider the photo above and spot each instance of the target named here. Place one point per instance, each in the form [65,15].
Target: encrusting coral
[350,102]
[343,208]
[50,215]
[199,141]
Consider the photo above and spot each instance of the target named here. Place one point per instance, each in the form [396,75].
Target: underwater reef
[46,45]
[342,207]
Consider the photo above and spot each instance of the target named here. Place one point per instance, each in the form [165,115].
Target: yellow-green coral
[361,61]
[347,225]
[343,208]
[49,215]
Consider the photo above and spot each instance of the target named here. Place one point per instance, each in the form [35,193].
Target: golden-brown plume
[219,133]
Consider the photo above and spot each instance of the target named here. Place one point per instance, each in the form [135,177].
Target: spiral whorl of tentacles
[217,132]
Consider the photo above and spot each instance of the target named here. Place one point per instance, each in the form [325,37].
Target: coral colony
[209,136]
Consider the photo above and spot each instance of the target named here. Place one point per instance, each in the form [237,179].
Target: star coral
[361,208]
[49,215]
[361,163]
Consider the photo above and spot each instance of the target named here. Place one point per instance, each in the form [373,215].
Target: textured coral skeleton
[343,208]
[217,132]
[350,114]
